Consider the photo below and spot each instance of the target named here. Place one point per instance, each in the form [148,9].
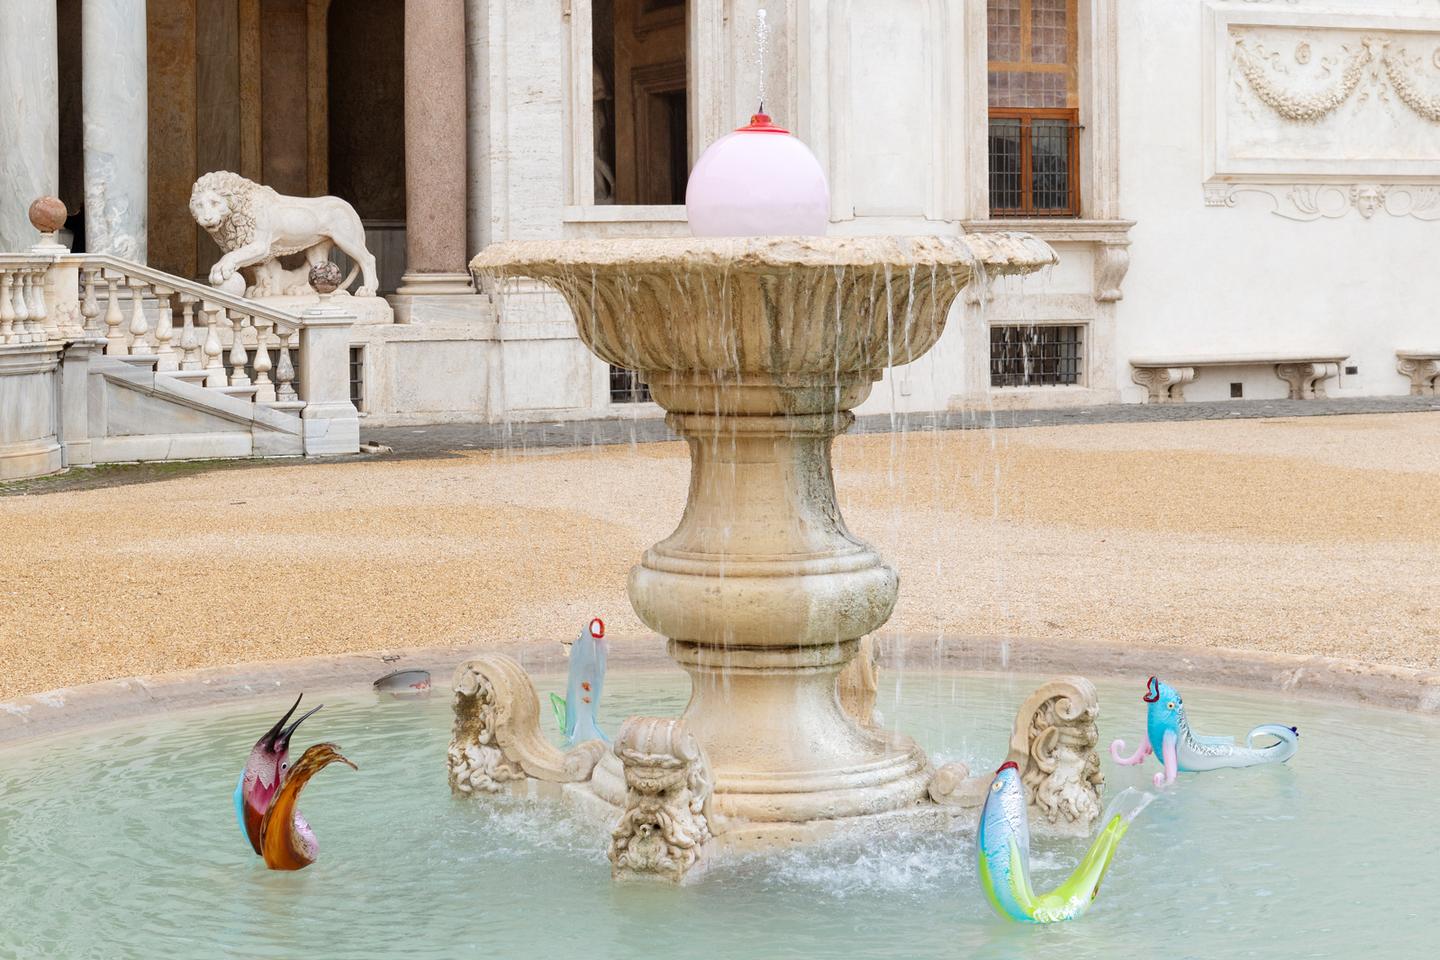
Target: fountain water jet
[758,349]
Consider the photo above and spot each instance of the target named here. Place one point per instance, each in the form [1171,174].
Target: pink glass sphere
[758,181]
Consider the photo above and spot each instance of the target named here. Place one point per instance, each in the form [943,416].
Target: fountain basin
[122,835]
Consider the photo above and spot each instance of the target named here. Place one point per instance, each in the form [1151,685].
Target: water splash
[762,45]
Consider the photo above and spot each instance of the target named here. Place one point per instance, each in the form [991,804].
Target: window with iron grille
[357,377]
[627,387]
[1034,140]
[1037,356]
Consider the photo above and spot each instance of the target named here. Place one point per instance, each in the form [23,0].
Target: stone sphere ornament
[233,285]
[758,181]
[47,214]
[325,278]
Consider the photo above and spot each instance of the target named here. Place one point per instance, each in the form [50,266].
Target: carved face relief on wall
[1367,198]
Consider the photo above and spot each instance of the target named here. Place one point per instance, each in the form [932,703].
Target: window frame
[1082,353]
[705,93]
[1099,186]
[1075,10]
[1027,208]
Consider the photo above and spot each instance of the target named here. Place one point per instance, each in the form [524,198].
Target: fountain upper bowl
[786,312]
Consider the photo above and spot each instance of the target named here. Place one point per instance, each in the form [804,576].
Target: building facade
[1242,193]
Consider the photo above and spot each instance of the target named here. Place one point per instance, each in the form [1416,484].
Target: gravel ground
[1312,536]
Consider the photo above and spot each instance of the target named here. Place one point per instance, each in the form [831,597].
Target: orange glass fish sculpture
[286,840]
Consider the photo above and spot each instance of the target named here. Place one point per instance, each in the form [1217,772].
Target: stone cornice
[1057,230]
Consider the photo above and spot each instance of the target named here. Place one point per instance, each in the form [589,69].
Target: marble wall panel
[29,115]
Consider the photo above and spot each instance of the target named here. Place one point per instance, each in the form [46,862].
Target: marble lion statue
[255,226]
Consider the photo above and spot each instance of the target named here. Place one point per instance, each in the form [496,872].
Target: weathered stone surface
[759,348]
[116,129]
[29,115]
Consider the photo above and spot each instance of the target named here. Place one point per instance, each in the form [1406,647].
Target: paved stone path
[436,439]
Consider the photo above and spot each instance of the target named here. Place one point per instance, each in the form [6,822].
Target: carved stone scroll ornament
[666,823]
[1054,744]
[1056,733]
[497,736]
[1307,379]
[1251,63]
[1112,262]
[1423,371]
[1306,202]
[1164,384]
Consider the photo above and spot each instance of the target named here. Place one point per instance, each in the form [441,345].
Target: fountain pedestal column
[765,594]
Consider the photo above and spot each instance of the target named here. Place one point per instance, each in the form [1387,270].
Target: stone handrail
[187,326]
[279,319]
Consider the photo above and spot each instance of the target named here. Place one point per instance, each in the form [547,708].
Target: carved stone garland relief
[1372,72]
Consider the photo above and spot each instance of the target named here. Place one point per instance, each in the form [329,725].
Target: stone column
[29,116]
[115,96]
[435,136]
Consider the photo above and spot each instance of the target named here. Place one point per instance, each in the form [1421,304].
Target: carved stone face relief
[1302,52]
[1367,198]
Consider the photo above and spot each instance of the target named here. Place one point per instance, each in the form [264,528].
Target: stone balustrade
[96,319]
[194,332]
[25,314]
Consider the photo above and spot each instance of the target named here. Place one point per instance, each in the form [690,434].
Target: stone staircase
[103,360]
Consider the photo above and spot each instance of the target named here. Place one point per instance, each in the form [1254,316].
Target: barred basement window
[1036,356]
[627,387]
[1034,108]
[357,377]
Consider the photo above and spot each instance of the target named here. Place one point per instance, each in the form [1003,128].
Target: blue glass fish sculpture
[1179,749]
[575,712]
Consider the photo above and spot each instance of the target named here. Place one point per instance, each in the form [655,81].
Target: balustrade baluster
[7,311]
[264,388]
[215,368]
[40,319]
[89,308]
[139,325]
[189,342]
[20,300]
[285,370]
[165,331]
[115,344]
[238,356]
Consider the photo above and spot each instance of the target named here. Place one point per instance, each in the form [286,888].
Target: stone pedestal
[758,349]
[29,429]
[332,424]
[29,115]
[435,138]
[766,593]
[116,145]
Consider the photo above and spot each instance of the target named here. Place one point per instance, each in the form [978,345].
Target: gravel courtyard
[1313,536]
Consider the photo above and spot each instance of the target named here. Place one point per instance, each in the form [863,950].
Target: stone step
[244,393]
[143,360]
[189,376]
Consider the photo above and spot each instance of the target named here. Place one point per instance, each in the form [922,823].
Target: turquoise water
[121,842]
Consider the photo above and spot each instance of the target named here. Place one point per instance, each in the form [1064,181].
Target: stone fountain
[758,348]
